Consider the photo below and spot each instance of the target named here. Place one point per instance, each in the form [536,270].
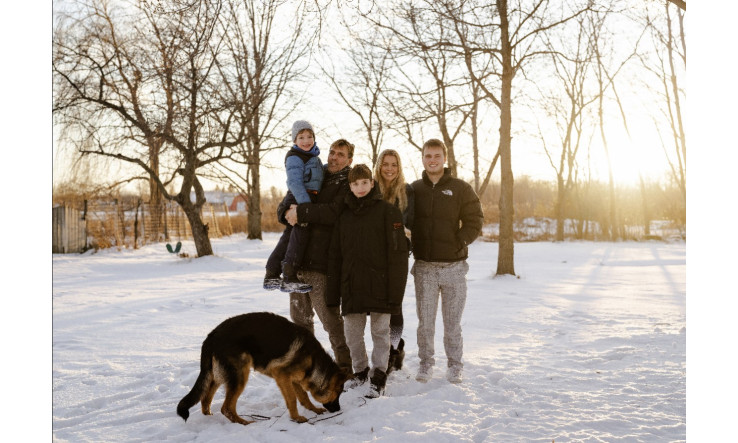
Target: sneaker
[378,382]
[294,286]
[358,380]
[425,373]
[290,282]
[272,282]
[453,374]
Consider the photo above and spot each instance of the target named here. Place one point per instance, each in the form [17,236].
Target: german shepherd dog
[273,346]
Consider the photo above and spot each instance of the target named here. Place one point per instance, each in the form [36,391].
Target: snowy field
[588,344]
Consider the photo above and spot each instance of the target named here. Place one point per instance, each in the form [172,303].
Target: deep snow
[588,344]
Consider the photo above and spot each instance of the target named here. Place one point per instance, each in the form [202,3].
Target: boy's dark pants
[291,245]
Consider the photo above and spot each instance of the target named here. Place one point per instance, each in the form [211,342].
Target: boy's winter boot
[272,281]
[358,380]
[378,381]
[290,283]
[396,357]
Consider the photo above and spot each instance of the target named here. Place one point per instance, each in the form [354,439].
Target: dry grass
[587,213]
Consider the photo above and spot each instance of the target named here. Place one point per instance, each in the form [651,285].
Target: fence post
[135,225]
[166,219]
[87,234]
[228,219]
[217,232]
[116,225]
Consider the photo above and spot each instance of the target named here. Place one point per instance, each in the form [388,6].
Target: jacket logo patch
[447,192]
[397,225]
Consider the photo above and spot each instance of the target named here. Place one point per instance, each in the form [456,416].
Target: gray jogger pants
[301,313]
[354,326]
[447,280]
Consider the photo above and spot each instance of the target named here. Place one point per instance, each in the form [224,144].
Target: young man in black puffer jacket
[367,272]
[448,217]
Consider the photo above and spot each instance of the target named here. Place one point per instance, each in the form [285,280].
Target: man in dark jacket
[448,217]
[367,272]
[321,217]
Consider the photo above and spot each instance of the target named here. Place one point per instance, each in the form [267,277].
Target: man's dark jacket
[368,257]
[448,217]
[321,217]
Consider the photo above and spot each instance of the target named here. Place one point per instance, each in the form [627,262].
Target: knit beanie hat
[298,126]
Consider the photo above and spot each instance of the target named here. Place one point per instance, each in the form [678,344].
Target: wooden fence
[69,233]
[105,224]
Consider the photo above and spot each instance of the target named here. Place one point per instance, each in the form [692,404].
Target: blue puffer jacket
[304,172]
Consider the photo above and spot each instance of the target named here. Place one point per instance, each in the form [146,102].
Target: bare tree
[497,42]
[668,64]
[605,77]
[268,45]
[572,70]
[429,83]
[132,77]
[361,85]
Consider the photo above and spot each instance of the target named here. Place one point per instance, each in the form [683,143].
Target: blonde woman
[388,175]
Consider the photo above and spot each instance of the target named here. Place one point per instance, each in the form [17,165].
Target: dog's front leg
[305,400]
[288,392]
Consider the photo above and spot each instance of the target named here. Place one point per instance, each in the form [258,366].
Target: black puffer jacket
[367,262]
[321,216]
[448,217]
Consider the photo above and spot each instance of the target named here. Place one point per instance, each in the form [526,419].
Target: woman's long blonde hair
[393,191]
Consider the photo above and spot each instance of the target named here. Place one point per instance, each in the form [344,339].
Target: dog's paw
[320,410]
[300,419]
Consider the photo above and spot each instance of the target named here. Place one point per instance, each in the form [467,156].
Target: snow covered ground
[588,344]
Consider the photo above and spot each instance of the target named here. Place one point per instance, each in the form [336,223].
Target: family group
[344,253]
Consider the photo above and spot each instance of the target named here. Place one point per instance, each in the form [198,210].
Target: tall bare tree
[567,107]
[429,84]
[140,85]
[268,45]
[667,63]
[361,84]
[497,42]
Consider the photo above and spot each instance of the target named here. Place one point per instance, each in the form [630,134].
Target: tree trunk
[156,204]
[193,211]
[254,217]
[200,234]
[678,126]
[451,157]
[199,230]
[475,138]
[560,204]
[646,211]
[505,263]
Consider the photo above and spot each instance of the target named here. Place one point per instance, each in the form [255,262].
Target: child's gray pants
[354,326]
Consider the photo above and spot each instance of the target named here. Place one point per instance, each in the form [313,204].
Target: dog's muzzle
[333,406]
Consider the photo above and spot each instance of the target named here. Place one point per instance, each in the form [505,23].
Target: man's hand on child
[291,215]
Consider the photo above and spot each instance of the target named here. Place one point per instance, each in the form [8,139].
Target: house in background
[238,204]
[234,201]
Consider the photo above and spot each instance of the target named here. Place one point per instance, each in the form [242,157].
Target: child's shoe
[290,282]
[272,281]
[378,382]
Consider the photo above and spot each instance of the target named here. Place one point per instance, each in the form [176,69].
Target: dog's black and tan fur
[273,346]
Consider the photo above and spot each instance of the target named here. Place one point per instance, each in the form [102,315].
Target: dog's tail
[195,395]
